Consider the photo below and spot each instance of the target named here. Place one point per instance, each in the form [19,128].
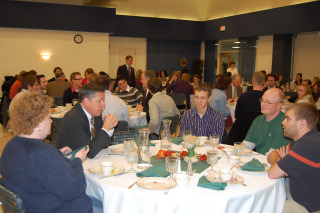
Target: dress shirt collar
[128,88]
[108,92]
[127,66]
[72,89]
[89,116]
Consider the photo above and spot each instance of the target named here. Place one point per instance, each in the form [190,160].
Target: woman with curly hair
[45,179]
[304,94]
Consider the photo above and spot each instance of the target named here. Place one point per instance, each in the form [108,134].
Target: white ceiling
[196,10]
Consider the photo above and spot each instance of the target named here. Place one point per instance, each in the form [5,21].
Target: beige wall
[264,53]
[122,46]
[21,49]
[306,56]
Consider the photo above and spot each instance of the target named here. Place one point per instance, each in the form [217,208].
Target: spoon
[231,168]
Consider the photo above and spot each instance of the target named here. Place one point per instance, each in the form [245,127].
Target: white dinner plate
[215,178]
[156,183]
[117,170]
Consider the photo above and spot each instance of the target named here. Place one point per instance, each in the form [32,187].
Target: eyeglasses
[77,79]
[267,102]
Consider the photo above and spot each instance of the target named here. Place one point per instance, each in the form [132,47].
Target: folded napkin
[154,171]
[219,186]
[253,165]
[74,152]
[137,140]
[177,140]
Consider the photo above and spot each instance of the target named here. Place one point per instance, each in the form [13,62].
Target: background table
[140,120]
[261,194]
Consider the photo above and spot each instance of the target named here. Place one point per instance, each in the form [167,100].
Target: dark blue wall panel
[290,19]
[33,15]
[157,28]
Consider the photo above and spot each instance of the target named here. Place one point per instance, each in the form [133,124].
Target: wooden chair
[180,101]
[11,202]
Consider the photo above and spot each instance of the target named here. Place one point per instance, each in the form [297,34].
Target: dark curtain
[210,61]
[166,54]
[247,57]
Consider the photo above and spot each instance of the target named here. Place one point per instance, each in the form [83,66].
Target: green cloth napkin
[219,186]
[137,140]
[177,140]
[253,165]
[200,166]
[74,152]
[154,171]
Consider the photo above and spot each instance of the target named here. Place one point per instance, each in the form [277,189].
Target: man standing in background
[127,71]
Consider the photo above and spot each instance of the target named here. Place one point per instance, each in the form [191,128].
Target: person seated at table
[145,77]
[92,78]
[87,72]
[164,77]
[202,119]
[304,95]
[175,77]
[83,124]
[270,82]
[29,83]
[296,82]
[39,173]
[219,97]
[73,91]
[266,131]
[182,86]
[160,106]
[234,88]
[247,109]
[130,95]
[196,81]
[299,160]
[113,104]
[138,77]
[57,87]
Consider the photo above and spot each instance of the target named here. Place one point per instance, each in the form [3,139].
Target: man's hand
[65,150]
[110,121]
[139,108]
[82,154]
[283,151]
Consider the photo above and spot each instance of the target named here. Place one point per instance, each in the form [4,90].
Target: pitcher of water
[144,152]
[166,139]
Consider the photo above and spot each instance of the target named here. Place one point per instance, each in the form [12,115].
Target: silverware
[106,176]
[231,168]
[226,154]
[129,187]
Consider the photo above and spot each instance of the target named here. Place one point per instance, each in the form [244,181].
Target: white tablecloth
[261,194]
[140,120]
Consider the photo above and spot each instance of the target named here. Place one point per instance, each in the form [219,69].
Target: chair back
[11,202]
[122,126]
[58,101]
[174,123]
[192,104]
[179,99]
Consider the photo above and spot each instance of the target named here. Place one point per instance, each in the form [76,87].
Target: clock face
[78,39]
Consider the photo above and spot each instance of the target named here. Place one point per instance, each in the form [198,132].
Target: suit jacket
[229,91]
[56,88]
[145,103]
[122,70]
[75,132]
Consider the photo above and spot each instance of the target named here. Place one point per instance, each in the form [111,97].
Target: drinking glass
[186,133]
[132,158]
[212,159]
[128,145]
[238,148]
[171,165]
[214,140]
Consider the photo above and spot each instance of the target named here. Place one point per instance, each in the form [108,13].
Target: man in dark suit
[127,71]
[270,82]
[146,75]
[234,89]
[83,124]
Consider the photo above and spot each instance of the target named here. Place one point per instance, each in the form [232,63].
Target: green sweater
[266,135]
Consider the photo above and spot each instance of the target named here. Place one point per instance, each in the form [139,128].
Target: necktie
[92,128]
[129,73]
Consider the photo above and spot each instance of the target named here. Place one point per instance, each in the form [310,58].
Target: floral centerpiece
[190,144]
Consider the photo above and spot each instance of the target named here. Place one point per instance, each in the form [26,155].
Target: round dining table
[260,194]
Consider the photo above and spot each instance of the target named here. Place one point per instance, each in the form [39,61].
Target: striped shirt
[132,96]
[116,106]
[211,123]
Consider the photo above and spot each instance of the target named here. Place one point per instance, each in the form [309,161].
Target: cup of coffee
[107,167]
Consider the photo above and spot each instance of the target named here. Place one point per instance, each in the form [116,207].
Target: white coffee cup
[234,159]
[107,167]
[182,179]
[224,175]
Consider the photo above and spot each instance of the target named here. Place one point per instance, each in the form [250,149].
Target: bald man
[266,131]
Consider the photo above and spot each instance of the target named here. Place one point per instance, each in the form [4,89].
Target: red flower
[203,157]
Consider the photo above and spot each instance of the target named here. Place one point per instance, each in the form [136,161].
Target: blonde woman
[138,77]
[304,94]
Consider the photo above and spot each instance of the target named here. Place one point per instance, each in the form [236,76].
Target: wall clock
[78,39]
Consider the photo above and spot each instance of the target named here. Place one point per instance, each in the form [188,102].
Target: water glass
[238,148]
[212,159]
[128,145]
[214,140]
[171,165]
[132,158]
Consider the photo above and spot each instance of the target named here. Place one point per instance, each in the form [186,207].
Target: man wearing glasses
[73,91]
[266,131]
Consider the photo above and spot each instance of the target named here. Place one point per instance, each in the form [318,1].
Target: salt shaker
[189,170]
